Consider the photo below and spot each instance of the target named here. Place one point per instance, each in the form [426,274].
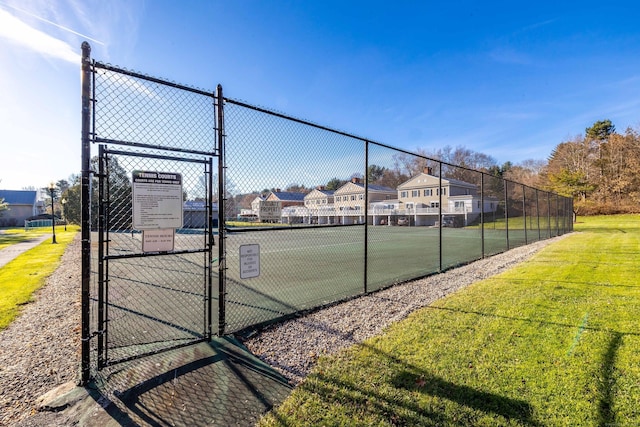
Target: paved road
[11,252]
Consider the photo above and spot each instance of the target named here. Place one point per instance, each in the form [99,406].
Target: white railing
[301,211]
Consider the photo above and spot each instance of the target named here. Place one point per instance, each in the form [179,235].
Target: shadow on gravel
[216,383]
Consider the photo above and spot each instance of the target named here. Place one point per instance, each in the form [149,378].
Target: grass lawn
[552,342]
[25,274]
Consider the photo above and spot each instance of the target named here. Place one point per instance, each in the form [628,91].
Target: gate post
[506,210]
[210,243]
[549,214]
[85,197]
[222,258]
[524,213]
[440,218]
[482,212]
[366,214]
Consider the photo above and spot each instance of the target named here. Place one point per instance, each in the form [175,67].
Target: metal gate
[154,285]
[152,170]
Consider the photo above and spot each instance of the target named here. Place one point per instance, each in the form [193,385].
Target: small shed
[195,214]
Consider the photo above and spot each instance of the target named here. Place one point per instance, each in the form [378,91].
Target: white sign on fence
[158,240]
[249,261]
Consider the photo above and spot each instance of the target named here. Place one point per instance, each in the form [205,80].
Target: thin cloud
[537,25]
[62,27]
[131,84]
[507,55]
[19,33]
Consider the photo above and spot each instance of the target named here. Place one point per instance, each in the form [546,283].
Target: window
[437,191]
[444,191]
[435,204]
[361,197]
[478,204]
[353,197]
[415,193]
[428,192]
[337,198]
[404,193]
[409,205]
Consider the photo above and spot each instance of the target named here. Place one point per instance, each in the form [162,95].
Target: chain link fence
[253,216]
[150,166]
[334,215]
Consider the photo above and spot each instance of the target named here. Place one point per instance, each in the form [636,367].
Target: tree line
[598,169]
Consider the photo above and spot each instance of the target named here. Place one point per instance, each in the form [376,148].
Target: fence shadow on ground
[216,383]
[415,379]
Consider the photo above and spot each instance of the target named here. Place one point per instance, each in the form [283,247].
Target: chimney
[428,170]
[320,187]
[277,190]
[355,180]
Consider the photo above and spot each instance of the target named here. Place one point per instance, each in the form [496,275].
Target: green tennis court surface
[160,301]
[304,268]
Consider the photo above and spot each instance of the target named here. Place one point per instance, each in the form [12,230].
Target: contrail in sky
[54,24]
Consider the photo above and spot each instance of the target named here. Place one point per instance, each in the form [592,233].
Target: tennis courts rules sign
[157,208]
[157,200]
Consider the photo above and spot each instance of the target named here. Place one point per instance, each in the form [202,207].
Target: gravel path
[40,350]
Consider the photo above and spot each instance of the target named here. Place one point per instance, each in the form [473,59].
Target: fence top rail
[164,82]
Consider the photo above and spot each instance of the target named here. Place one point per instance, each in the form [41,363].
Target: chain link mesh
[324,215]
[146,300]
[282,176]
[133,108]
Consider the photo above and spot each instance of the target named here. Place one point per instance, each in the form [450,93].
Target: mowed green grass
[21,277]
[552,342]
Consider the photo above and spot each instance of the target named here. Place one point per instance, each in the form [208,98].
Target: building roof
[415,182]
[372,187]
[315,192]
[460,183]
[19,197]
[289,196]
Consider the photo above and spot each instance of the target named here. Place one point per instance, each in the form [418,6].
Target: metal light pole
[53,216]
[64,212]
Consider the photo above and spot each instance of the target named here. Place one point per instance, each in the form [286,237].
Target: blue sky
[508,79]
